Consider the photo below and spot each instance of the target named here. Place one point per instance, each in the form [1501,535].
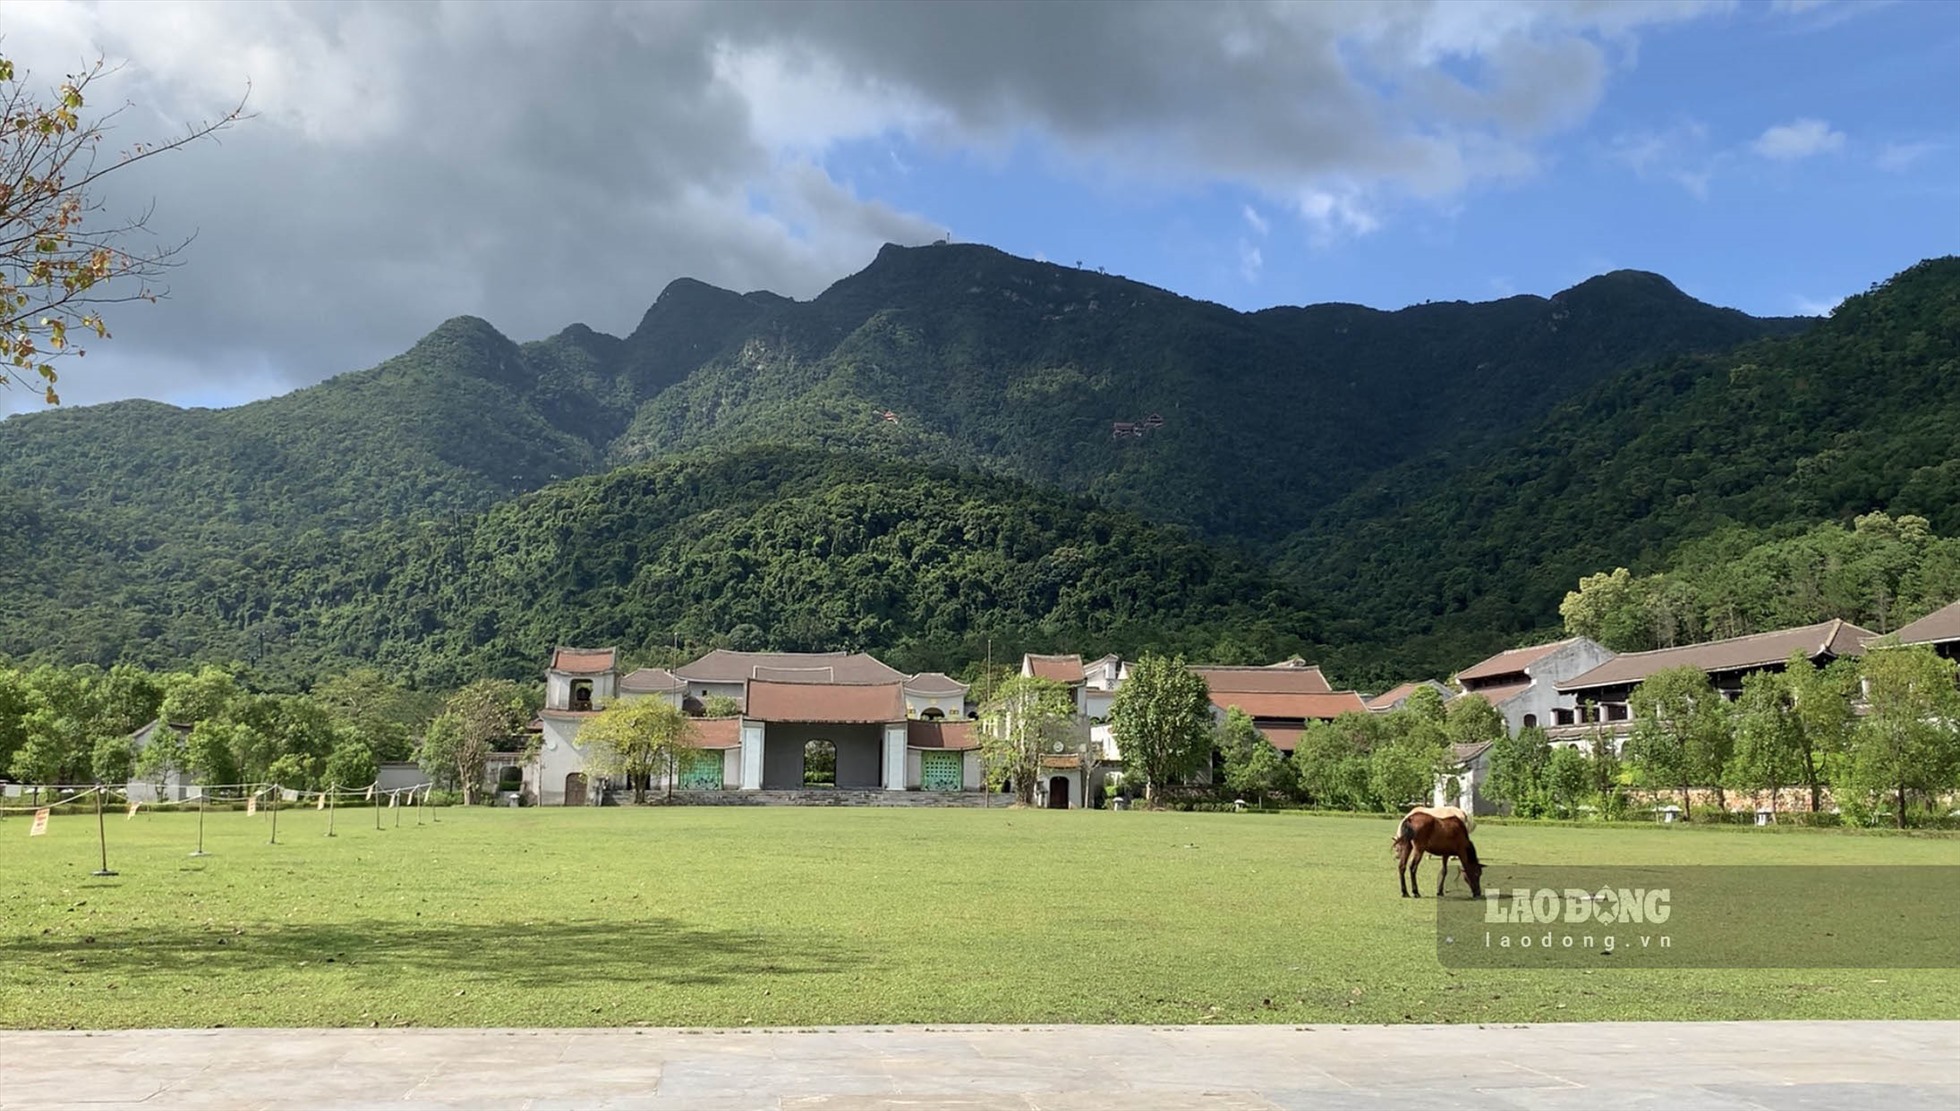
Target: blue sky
[538,164]
[1669,173]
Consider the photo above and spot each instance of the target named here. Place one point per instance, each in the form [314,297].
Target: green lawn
[779,916]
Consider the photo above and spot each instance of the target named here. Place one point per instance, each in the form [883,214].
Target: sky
[544,164]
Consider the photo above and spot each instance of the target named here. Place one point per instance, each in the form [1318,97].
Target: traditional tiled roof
[1281,678]
[650,680]
[1498,696]
[1510,662]
[934,682]
[584,661]
[724,666]
[1062,762]
[1830,638]
[1286,738]
[1395,696]
[1059,669]
[1937,627]
[1464,754]
[717,733]
[842,703]
[942,734]
[1311,707]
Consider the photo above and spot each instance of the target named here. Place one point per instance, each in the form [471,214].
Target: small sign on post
[40,826]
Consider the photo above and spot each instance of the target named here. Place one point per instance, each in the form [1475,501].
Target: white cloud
[542,163]
[1797,139]
[1897,158]
[1257,222]
[1679,154]
[1807,306]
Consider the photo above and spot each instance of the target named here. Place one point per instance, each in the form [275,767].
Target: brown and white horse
[1420,832]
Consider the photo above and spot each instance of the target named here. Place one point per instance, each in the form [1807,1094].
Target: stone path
[1787,1066]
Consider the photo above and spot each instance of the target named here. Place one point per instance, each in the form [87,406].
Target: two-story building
[1523,683]
[1940,629]
[803,720]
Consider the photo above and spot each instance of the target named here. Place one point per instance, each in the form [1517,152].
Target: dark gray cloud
[538,164]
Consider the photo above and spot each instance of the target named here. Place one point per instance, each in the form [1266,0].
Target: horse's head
[1473,870]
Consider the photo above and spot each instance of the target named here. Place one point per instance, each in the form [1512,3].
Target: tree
[1161,719]
[1331,761]
[58,261]
[720,706]
[1680,734]
[473,722]
[1517,770]
[1402,773]
[637,737]
[385,715]
[1909,739]
[1252,765]
[192,697]
[1611,608]
[1026,717]
[1567,779]
[112,760]
[1471,720]
[1426,702]
[350,764]
[1822,699]
[1769,741]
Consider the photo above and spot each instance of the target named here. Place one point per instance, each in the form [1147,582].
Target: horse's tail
[1403,832]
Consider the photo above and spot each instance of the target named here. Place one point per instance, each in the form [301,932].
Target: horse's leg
[1402,866]
[1415,873]
[1443,876]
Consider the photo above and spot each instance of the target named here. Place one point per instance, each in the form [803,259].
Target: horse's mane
[1470,853]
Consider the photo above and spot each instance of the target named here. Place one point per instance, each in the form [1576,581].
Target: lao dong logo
[1608,906]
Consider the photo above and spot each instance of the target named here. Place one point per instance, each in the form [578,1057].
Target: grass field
[780,916]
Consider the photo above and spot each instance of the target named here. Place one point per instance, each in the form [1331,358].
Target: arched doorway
[581,695]
[1058,792]
[819,764]
[1531,721]
[575,789]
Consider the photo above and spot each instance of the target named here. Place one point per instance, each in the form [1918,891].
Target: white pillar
[752,733]
[895,736]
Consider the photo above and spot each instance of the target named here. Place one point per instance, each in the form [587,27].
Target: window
[819,764]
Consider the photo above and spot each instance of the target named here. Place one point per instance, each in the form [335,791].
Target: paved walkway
[1790,1066]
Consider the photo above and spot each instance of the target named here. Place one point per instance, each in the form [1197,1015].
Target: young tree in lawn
[1025,719]
[473,722]
[1769,736]
[1680,733]
[59,261]
[1909,739]
[1253,767]
[1161,719]
[636,738]
[1568,778]
[1822,698]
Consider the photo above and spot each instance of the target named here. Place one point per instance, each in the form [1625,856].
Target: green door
[941,771]
[702,772]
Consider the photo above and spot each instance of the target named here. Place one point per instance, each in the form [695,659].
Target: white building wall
[953,706]
[895,757]
[915,771]
[751,750]
[1542,697]
[558,757]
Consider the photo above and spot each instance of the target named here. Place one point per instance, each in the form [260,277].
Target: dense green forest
[1395,494]
[1431,564]
[770,548]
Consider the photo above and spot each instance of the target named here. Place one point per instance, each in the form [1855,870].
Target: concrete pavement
[1787,1066]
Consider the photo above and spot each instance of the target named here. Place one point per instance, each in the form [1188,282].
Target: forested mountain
[1025,368]
[1860,413]
[782,548]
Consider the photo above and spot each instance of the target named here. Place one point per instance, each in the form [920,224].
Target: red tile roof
[1498,696]
[1835,638]
[1276,679]
[650,680]
[1286,738]
[1312,707]
[717,732]
[584,661]
[942,734]
[934,682]
[843,703]
[1511,662]
[1059,669]
[1937,627]
[724,666]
